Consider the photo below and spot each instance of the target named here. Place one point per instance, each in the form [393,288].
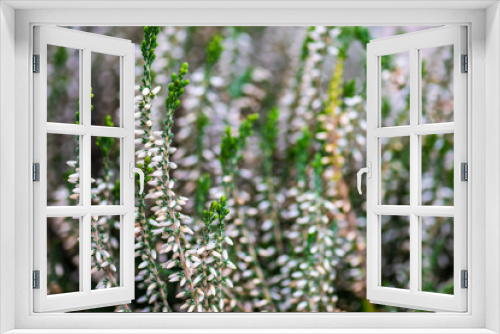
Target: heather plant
[184,261]
[154,285]
[204,112]
[250,155]
[214,264]
[253,282]
[269,204]
[196,154]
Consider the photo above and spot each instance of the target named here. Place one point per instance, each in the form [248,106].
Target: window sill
[250,331]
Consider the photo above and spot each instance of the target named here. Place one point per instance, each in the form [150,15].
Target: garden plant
[250,139]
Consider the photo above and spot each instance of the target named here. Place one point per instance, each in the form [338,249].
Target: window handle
[133,171]
[367,170]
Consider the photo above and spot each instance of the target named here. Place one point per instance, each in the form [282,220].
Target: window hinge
[36,279]
[465,64]
[464,171]
[36,63]
[464,279]
[36,172]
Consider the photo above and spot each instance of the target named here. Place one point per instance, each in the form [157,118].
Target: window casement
[413,212]
[83,134]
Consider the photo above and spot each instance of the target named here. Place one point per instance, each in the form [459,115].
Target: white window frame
[86,44]
[412,43]
[483,21]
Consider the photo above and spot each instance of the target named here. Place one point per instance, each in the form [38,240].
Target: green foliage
[58,81]
[148,48]
[349,89]
[215,218]
[300,154]
[204,183]
[61,56]
[216,212]
[232,146]
[387,63]
[270,131]
[269,134]
[349,34]
[172,102]
[318,170]
[176,88]
[305,45]
[435,149]
[202,121]
[116,189]
[386,107]
[362,34]
[214,49]
[236,86]
[105,143]
[424,68]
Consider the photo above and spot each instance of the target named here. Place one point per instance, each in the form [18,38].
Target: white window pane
[395,89]
[438,169]
[395,251]
[105,81]
[105,171]
[63,170]
[437,254]
[105,245]
[63,84]
[63,255]
[395,171]
[437,84]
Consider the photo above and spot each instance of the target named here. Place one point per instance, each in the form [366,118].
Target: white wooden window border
[483,20]
[86,44]
[412,43]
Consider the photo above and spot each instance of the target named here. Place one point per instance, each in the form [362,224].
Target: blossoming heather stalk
[215,263]
[213,52]
[156,293]
[307,100]
[268,146]
[195,156]
[333,129]
[271,243]
[171,204]
[231,153]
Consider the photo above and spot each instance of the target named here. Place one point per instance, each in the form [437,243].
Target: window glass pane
[63,255]
[395,89]
[437,254]
[437,169]
[105,83]
[63,170]
[395,244]
[395,170]
[437,84]
[63,84]
[105,171]
[105,245]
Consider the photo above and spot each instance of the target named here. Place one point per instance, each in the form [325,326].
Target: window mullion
[85,107]
[85,117]
[414,171]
